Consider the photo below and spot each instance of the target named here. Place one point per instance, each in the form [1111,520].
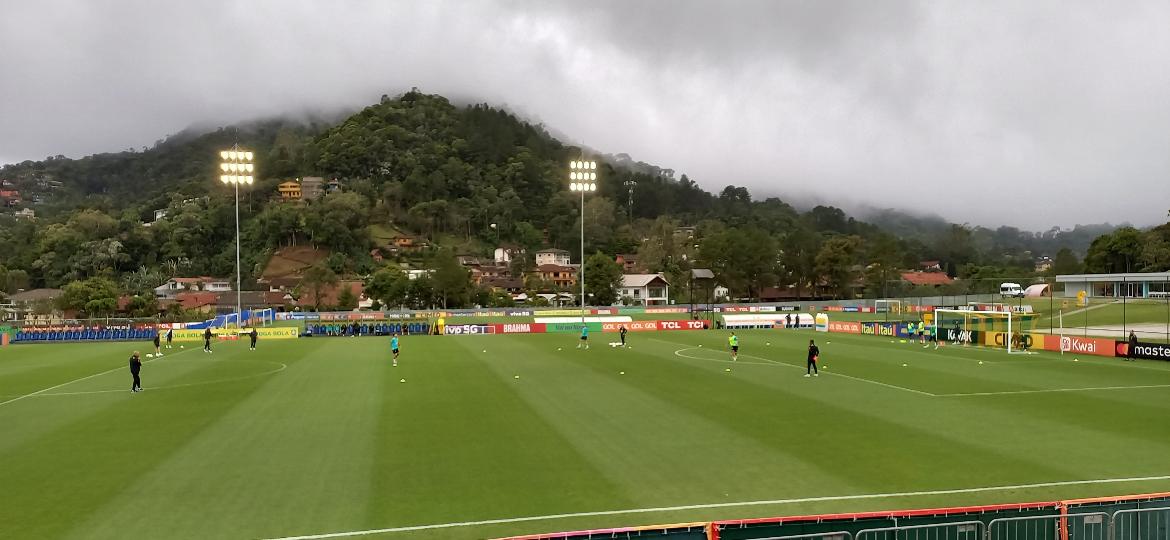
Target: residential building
[26,213]
[558,257]
[505,284]
[333,186]
[9,197]
[468,260]
[628,262]
[290,191]
[930,266]
[504,254]
[312,187]
[415,273]
[35,301]
[481,274]
[927,279]
[646,289]
[557,275]
[159,214]
[174,286]
[1043,264]
[1121,285]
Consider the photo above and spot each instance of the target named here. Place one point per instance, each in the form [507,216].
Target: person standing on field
[170,336]
[814,354]
[1131,353]
[733,342]
[135,368]
[623,335]
[253,335]
[207,339]
[157,343]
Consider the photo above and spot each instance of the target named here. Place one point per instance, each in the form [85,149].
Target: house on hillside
[35,301]
[558,275]
[930,266]
[645,289]
[9,197]
[927,279]
[468,260]
[1043,264]
[509,285]
[201,302]
[333,186]
[26,213]
[504,253]
[628,262]
[289,191]
[553,256]
[479,274]
[176,285]
[312,187]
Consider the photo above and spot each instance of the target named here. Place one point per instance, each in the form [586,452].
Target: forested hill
[417,164]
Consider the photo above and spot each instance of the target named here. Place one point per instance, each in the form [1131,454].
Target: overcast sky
[1032,114]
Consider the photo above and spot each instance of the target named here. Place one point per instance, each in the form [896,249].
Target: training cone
[401,380]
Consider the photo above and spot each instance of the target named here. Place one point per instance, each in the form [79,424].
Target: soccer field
[528,434]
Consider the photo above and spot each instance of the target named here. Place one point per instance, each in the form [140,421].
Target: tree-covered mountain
[464,178]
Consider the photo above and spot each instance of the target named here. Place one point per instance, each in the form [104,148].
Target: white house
[646,289]
[415,273]
[504,254]
[178,285]
[558,257]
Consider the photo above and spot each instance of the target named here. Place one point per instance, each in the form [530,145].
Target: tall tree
[318,279]
[603,279]
[1066,262]
[836,261]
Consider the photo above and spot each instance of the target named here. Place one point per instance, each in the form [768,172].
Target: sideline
[720,505]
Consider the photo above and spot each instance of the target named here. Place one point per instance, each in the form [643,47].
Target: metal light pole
[237,168]
[582,178]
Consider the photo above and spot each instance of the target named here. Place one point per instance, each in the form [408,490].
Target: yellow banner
[284,332]
[1026,340]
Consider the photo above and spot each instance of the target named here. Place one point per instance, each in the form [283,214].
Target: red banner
[681,325]
[845,327]
[1080,345]
[520,328]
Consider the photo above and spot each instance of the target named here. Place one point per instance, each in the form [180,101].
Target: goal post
[888,306]
[996,329]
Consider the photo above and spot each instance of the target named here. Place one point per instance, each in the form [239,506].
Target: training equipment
[991,328]
[769,344]
[558,348]
[182,347]
[728,370]
[401,380]
[515,376]
[981,362]
[700,345]
[621,373]
[904,365]
[485,350]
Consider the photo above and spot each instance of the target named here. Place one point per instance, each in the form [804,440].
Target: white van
[1011,290]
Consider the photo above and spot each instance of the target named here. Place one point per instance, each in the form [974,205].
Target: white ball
[401,380]
[981,362]
[700,345]
[621,373]
[182,346]
[769,344]
[904,365]
[148,355]
[515,376]
[558,348]
[485,350]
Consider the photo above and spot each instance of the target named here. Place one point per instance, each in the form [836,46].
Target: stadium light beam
[237,168]
[582,178]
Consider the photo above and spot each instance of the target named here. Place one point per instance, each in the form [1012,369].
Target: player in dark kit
[207,340]
[157,344]
[170,336]
[135,367]
[623,335]
[253,335]
[814,354]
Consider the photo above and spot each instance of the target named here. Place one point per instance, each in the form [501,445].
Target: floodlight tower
[236,168]
[582,178]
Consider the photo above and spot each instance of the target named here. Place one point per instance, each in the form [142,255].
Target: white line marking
[282,367]
[785,364]
[38,392]
[1010,392]
[719,505]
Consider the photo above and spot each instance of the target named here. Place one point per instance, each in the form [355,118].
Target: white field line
[87,377]
[1049,390]
[282,367]
[779,363]
[720,505]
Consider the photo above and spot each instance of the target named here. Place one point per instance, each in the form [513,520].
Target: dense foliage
[467,178]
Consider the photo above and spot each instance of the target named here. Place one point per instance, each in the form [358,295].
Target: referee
[814,354]
[135,368]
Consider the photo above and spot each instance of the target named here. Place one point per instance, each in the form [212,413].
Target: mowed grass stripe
[610,420]
[69,473]
[887,433]
[457,442]
[25,369]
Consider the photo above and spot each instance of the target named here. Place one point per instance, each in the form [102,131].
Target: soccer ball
[904,365]
[401,380]
[148,355]
[558,348]
[621,373]
[515,376]
[182,346]
[981,362]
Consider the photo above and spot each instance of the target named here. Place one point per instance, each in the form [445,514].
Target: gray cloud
[1024,113]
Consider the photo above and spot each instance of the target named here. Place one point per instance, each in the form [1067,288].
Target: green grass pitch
[318,435]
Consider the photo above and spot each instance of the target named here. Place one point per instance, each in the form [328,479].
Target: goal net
[888,306]
[996,329]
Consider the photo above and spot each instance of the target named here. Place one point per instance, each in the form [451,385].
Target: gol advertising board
[845,327]
[1080,345]
[520,328]
[1148,351]
[632,326]
[285,332]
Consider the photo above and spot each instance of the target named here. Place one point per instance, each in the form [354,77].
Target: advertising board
[1080,345]
[469,329]
[1148,351]
[845,327]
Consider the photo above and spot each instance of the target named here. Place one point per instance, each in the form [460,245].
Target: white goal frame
[889,303]
[1011,317]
